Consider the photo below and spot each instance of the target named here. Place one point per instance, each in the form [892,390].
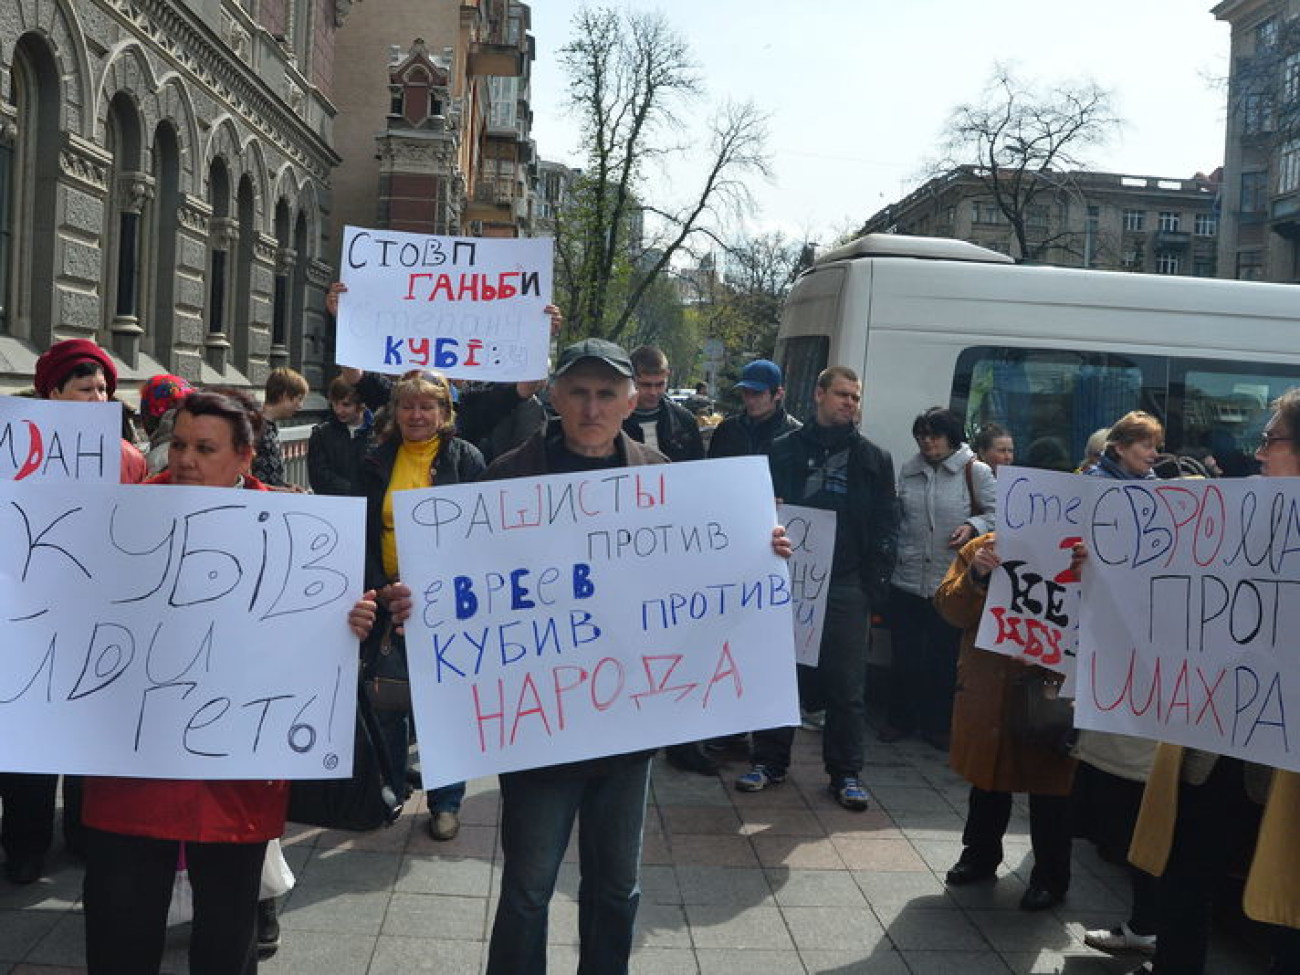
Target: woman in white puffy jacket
[947,497]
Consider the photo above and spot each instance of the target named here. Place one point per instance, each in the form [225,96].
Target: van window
[802,359]
[1053,399]
[1223,406]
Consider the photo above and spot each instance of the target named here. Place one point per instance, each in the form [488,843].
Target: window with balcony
[1169,221]
[1131,259]
[1288,167]
[1257,113]
[986,213]
[1291,78]
[1266,35]
[1250,266]
[1254,191]
[1135,220]
[1207,225]
[1168,262]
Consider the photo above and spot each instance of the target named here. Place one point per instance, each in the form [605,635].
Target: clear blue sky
[858,90]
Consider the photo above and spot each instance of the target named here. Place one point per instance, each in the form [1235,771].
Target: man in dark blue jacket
[763,419]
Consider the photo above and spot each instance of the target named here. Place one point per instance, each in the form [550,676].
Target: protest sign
[571,616]
[1186,620]
[50,441]
[812,538]
[159,631]
[470,308]
[1032,608]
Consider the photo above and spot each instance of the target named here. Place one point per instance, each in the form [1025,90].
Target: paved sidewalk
[774,882]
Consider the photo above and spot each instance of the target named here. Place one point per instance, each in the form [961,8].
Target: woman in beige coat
[989,757]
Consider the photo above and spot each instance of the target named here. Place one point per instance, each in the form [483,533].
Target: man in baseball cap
[763,419]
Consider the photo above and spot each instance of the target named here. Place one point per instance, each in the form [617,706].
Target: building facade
[435,133]
[1107,221]
[164,184]
[1261,192]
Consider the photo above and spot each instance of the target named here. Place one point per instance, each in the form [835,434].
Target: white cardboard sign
[470,308]
[159,631]
[812,538]
[573,616]
[52,441]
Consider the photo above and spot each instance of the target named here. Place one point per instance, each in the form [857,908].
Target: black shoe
[1040,899]
[268,928]
[890,734]
[968,872]
[25,870]
[691,758]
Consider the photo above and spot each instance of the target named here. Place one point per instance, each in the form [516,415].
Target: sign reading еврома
[1187,613]
[160,631]
[470,308]
[571,616]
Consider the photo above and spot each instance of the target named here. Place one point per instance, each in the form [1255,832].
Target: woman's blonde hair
[422,383]
[1135,427]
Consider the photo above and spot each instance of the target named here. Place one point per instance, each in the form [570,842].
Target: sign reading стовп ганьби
[469,308]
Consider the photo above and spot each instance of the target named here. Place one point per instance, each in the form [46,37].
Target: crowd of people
[915,548]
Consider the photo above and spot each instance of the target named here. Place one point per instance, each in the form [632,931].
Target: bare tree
[630,74]
[1022,143]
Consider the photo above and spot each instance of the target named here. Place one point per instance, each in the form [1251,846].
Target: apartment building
[434,126]
[1260,238]
[1108,221]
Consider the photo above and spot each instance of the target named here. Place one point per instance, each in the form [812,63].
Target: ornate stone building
[164,184]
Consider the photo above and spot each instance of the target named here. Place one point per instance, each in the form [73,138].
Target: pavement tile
[472,841]
[895,891]
[774,796]
[428,875]
[815,888]
[779,821]
[933,929]
[441,916]
[955,963]
[870,853]
[847,928]
[797,852]
[388,839]
[730,886]
[1022,931]
[882,960]
[351,869]
[21,930]
[407,955]
[662,926]
[312,907]
[63,944]
[714,851]
[663,961]
[724,926]
[714,961]
[711,820]
[1081,962]
[659,885]
[337,954]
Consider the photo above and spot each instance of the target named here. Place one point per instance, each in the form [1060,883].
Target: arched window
[129,193]
[28,192]
[242,310]
[159,301]
[284,260]
[221,238]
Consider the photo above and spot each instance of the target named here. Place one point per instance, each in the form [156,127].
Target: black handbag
[1039,715]
[365,801]
[385,676]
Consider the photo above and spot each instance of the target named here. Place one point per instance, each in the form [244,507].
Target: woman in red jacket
[136,826]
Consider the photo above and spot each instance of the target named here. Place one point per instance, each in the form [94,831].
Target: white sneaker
[1120,939]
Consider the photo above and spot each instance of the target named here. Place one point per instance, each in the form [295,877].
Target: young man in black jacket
[337,445]
[763,419]
[657,421]
[829,464]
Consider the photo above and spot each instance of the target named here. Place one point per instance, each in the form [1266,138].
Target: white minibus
[1050,353]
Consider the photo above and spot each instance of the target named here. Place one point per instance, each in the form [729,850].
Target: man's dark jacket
[739,436]
[677,430]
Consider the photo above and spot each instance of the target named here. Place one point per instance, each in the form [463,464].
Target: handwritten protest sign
[159,631]
[572,616]
[470,308]
[1187,619]
[812,536]
[1032,609]
[49,441]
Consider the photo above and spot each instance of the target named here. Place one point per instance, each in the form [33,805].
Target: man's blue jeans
[537,814]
